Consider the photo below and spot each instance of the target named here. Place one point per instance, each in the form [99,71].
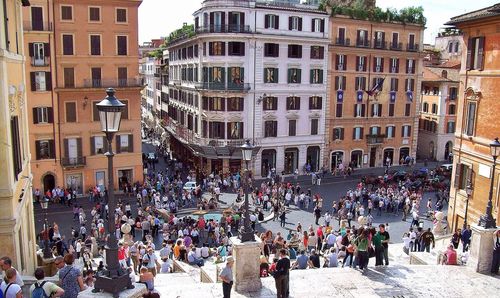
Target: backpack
[39,292]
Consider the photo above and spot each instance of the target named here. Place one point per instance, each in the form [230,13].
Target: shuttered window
[67,40]
[70,112]
[121,45]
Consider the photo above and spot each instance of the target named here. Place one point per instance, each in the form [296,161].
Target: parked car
[447,167]
[190,186]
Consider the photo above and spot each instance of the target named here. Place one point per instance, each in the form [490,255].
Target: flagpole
[369,79]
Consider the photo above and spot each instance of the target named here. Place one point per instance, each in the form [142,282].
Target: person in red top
[319,233]
[122,256]
[451,255]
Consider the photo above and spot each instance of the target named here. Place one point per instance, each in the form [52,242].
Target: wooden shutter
[48,81]
[300,24]
[357,63]
[312,25]
[380,110]
[50,114]
[383,39]
[105,144]
[223,21]
[397,65]
[344,80]
[355,110]
[210,48]
[92,146]
[299,48]
[363,110]
[358,37]
[345,62]
[79,147]
[118,147]
[458,174]
[412,84]
[33,81]
[311,75]
[223,48]
[337,59]
[31,49]
[52,149]
[266,21]
[382,65]
[46,49]
[321,77]
[322,26]
[130,143]
[66,148]
[374,64]
[276,22]
[212,22]
[37,148]
[290,23]
[373,110]
[480,53]
[242,19]
[35,116]
[470,49]
[342,133]
[362,130]
[354,133]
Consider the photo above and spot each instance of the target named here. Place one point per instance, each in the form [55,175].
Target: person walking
[42,288]
[281,275]
[283,218]
[226,276]
[496,253]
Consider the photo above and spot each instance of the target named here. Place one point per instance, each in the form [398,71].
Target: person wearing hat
[226,275]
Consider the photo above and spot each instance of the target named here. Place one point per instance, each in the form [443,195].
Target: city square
[249,148]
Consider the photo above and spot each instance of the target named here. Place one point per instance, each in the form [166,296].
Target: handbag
[371,252]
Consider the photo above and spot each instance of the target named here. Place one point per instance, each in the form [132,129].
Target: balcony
[375,139]
[231,87]
[396,46]
[74,162]
[379,44]
[412,47]
[37,26]
[40,62]
[100,83]
[345,42]
[230,28]
[362,43]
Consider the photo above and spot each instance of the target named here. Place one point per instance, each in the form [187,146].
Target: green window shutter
[92,146]
[130,143]
[118,149]
[276,75]
[289,75]
[299,75]
[311,76]
[321,76]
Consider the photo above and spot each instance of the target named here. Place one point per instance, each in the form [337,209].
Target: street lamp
[47,253]
[247,233]
[486,220]
[468,191]
[115,278]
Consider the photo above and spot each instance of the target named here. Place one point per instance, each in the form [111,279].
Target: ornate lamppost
[115,278]
[486,220]
[47,252]
[247,233]
[468,191]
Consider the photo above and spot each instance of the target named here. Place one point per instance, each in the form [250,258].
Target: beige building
[77,49]
[17,232]
[366,131]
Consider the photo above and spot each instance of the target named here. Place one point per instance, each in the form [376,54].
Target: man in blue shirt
[301,262]
[466,235]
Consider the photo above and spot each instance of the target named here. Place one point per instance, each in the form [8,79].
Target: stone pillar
[246,265]
[481,249]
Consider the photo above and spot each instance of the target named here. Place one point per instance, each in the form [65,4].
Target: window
[235,104]
[98,145]
[425,107]
[475,53]
[340,82]
[271,21]
[453,93]
[406,131]
[394,84]
[470,122]
[316,76]
[314,126]
[271,50]
[70,112]
[235,130]
[410,84]
[315,103]
[17,159]
[338,133]
[69,77]
[235,76]
[270,103]
[124,143]
[456,47]
[360,83]
[66,13]
[318,25]
[410,66]
[121,42]
[375,130]
[391,109]
[94,14]
[362,38]
[121,15]
[408,109]
[217,48]
[463,176]
[294,51]
[295,23]
[359,110]
[95,45]
[271,75]
[376,110]
[216,130]
[338,111]
[450,47]
[394,65]
[41,81]
[216,104]
[293,103]
[361,63]
[317,52]
[122,76]
[96,77]
[434,108]
[357,133]
[395,41]
[236,48]
[378,64]
[67,40]
[379,40]
[270,129]
[451,110]
[42,115]
[294,75]
[340,62]
[292,128]
[450,127]
[45,149]
[390,131]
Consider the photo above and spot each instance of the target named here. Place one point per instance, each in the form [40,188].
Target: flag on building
[375,90]
[409,95]
[359,96]
[340,95]
[393,96]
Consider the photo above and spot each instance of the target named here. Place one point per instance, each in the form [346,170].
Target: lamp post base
[246,236]
[113,285]
[487,221]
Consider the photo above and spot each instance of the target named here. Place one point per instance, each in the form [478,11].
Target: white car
[190,186]
[447,167]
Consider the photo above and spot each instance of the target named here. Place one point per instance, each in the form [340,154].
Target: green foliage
[185,32]
[158,53]
[408,15]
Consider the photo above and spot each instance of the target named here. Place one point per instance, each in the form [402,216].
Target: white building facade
[253,70]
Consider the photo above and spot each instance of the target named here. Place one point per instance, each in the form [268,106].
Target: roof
[434,74]
[490,11]
[451,64]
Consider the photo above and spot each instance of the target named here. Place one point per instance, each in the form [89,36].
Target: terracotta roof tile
[489,11]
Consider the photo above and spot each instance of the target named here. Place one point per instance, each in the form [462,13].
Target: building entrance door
[373,156]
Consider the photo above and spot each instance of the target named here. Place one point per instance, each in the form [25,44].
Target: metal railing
[342,42]
[379,44]
[229,28]
[100,83]
[396,46]
[362,43]
[74,161]
[412,47]
[230,86]
[375,139]
[37,26]
[40,62]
